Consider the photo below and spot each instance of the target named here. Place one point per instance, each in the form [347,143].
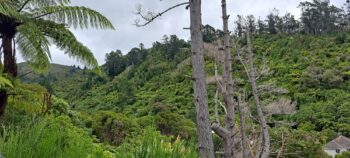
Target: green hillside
[314,72]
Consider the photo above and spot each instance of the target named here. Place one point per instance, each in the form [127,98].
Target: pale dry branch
[148,16]
[281,106]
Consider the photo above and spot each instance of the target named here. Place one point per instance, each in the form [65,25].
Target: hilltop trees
[34,24]
[115,63]
[318,17]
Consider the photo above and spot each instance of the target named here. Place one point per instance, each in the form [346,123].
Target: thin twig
[24,4]
[153,17]
[26,74]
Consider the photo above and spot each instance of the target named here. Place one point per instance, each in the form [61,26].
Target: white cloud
[127,36]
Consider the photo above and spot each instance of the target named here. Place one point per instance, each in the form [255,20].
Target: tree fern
[40,23]
[35,24]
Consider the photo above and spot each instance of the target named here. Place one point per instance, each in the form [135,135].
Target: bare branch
[222,105]
[220,131]
[150,16]
[25,74]
[265,70]
[216,106]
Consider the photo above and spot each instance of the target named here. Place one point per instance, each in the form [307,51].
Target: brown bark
[9,68]
[9,57]
[265,152]
[3,102]
[205,142]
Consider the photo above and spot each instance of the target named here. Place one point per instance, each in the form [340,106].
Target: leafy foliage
[36,24]
[152,144]
[47,137]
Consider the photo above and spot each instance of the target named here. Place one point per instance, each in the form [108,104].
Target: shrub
[343,155]
[153,145]
[113,127]
[169,123]
[46,138]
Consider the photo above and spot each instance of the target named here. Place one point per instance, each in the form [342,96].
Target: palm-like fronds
[43,3]
[33,45]
[81,17]
[39,23]
[8,8]
[66,41]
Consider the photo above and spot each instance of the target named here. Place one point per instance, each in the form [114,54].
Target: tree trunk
[9,57]
[3,102]
[9,68]
[227,133]
[242,115]
[229,150]
[205,142]
[265,152]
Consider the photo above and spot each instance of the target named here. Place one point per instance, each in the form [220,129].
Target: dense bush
[169,123]
[47,137]
[113,127]
[343,155]
[153,145]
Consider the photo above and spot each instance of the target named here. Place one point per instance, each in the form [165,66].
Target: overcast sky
[127,36]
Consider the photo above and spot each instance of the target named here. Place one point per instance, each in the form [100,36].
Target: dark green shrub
[169,123]
[113,127]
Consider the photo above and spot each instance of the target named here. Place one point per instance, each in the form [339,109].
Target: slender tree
[265,152]
[205,142]
[271,23]
[227,133]
[239,27]
[33,25]
[261,26]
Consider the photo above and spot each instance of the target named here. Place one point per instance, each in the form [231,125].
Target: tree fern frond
[75,16]
[33,46]
[45,3]
[5,82]
[8,9]
[66,41]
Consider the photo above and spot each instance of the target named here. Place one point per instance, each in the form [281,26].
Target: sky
[127,35]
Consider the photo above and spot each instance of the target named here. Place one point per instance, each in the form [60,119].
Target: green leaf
[78,17]
[34,46]
[4,82]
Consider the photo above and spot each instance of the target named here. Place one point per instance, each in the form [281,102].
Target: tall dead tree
[205,142]
[265,151]
[227,133]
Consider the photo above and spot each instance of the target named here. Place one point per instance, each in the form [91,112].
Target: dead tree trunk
[227,133]
[242,116]
[205,142]
[230,116]
[265,152]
